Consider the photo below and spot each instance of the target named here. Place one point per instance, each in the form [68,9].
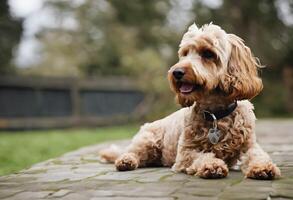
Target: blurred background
[81,63]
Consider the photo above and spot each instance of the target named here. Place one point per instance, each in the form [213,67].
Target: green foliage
[22,149]
[271,101]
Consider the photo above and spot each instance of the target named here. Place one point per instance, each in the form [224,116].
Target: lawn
[19,150]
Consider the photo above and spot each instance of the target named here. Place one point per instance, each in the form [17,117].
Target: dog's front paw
[263,171]
[126,162]
[215,168]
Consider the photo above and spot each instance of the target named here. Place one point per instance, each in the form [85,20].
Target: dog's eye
[185,52]
[208,54]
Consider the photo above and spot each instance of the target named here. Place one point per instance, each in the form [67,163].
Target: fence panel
[38,102]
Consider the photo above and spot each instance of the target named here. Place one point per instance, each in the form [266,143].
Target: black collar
[219,114]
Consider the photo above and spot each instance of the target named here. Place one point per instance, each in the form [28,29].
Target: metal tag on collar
[214,133]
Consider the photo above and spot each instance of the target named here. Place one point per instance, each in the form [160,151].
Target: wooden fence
[39,102]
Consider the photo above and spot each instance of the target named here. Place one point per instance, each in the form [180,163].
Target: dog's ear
[241,80]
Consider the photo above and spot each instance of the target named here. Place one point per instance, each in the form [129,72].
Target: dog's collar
[219,114]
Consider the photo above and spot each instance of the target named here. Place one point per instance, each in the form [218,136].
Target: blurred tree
[10,32]
[111,38]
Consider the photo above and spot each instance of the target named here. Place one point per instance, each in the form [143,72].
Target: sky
[26,53]
[24,8]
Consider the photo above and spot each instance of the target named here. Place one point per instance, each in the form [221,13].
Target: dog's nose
[178,73]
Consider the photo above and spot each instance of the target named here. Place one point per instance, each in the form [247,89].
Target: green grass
[19,150]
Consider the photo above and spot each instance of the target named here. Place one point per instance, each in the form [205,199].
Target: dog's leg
[184,159]
[144,149]
[190,161]
[204,165]
[208,166]
[186,153]
[257,164]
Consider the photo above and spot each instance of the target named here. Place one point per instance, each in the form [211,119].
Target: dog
[213,81]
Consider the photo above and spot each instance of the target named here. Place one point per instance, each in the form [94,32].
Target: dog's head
[212,62]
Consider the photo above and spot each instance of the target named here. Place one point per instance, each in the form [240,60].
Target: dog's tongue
[186,88]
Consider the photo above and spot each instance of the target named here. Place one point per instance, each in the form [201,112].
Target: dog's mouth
[187,88]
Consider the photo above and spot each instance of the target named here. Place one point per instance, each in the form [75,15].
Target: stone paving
[80,175]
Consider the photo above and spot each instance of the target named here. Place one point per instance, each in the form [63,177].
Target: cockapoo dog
[214,78]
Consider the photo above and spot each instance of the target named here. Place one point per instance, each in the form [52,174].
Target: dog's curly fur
[222,70]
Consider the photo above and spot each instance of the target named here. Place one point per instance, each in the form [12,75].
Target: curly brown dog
[214,78]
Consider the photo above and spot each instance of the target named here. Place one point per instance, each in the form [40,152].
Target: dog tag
[214,135]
